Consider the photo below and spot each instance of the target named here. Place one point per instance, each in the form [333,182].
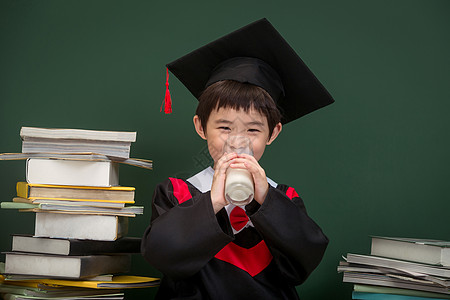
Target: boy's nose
[238,144]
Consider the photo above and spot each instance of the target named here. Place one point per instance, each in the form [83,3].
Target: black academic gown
[201,256]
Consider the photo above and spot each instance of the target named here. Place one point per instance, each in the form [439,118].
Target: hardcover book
[72,172]
[78,226]
[435,252]
[58,266]
[28,243]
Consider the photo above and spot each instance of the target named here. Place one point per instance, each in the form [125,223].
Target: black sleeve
[296,242]
[182,238]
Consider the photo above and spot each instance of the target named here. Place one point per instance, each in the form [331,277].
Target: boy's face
[227,121]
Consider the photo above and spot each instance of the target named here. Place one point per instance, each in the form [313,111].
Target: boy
[249,83]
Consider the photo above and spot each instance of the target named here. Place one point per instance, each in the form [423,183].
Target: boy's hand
[245,161]
[218,184]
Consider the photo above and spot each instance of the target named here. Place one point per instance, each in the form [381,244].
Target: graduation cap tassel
[167,99]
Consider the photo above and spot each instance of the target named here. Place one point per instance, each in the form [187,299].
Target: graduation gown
[263,253]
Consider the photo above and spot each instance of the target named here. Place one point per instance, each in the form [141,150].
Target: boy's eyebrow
[251,123]
[222,121]
[255,123]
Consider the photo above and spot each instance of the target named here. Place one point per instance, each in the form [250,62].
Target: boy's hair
[237,95]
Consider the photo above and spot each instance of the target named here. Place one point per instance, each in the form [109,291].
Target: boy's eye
[224,128]
[253,130]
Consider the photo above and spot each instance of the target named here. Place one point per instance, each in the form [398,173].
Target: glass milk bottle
[239,186]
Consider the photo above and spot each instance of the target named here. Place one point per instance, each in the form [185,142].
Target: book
[27,278]
[28,243]
[74,267]
[110,143]
[87,156]
[396,291]
[378,296]
[117,282]
[81,134]
[79,226]
[70,296]
[79,193]
[72,172]
[389,281]
[16,292]
[47,146]
[395,273]
[103,203]
[436,252]
[401,265]
[129,211]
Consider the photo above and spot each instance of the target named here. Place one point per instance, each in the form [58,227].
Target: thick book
[74,267]
[49,146]
[28,243]
[435,252]
[71,192]
[111,143]
[401,265]
[77,226]
[82,134]
[72,172]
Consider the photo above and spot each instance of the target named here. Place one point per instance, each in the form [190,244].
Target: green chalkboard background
[373,163]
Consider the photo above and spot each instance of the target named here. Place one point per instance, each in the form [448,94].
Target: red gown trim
[291,193]
[180,190]
[252,260]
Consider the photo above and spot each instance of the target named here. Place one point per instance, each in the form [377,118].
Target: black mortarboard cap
[259,55]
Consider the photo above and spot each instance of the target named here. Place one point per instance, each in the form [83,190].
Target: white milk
[239,188]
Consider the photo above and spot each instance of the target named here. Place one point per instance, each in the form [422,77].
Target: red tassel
[167,99]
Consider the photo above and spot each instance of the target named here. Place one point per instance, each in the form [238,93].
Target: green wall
[373,163]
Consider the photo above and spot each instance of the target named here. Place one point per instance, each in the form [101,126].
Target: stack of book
[399,269]
[81,217]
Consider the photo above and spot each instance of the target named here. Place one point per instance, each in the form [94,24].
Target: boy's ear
[276,131]
[198,127]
